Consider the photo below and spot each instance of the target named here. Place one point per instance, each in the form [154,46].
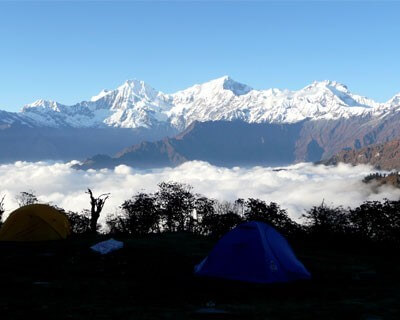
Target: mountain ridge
[382,156]
[135,104]
[222,143]
[198,123]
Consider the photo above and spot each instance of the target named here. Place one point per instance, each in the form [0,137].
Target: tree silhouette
[240,205]
[26,198]
[205,210]
[217,225]
[273,214]
[80,223]
[373,176]
[140,215]
[2,210]
[325,221]
[220,218]
[96,206]
[377,221]
[176,203]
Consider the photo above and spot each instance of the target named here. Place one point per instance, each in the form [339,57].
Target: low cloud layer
[296,188]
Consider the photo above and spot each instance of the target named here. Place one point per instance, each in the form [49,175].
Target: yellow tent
[35,222]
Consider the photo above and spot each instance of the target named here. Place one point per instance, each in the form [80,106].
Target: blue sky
[69,51]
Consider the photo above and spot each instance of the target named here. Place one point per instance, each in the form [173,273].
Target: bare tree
[96,206]
[2,209]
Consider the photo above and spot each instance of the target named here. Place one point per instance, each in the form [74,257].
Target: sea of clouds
[296,188]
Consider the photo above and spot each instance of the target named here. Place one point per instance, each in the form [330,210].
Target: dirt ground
[152,278]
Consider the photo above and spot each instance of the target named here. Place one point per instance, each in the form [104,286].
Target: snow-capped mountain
[137,105]
[275,126]
[216,100]
[132,105]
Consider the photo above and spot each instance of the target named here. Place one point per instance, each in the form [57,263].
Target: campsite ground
[151,278]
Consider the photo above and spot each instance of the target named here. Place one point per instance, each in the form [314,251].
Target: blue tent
[253,252]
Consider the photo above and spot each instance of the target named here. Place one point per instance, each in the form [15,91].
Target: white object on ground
[107,246]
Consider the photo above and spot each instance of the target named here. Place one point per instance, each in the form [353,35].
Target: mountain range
[137,105]
[221,121]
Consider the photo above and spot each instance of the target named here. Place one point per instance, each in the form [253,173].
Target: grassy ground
[151,278]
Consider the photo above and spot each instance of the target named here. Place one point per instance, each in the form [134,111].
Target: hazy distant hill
[221,143]
[236,143]
[35,144]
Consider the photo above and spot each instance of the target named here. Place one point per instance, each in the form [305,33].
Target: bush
[80,223]
[377,221]
[26,198]
[204,210]
[324,221]
[273,214]
[176,204]
[216,225]
[140,215]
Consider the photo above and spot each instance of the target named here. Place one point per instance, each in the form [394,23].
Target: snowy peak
[327,88]
[220,86]
[212,101]
[128,90]
[395,101]
[102,93]
[136,104]
[327,84]
[137,88]
[42,104]
[337,92]
[131,94]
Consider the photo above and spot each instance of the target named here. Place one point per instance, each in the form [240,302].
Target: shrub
[176,204]
[325,221]
[80,223]
[377,221]
[273,214]
[26,198]
[140,215]
[217,225]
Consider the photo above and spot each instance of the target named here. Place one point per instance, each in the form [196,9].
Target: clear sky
[70,51]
